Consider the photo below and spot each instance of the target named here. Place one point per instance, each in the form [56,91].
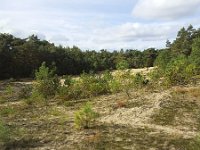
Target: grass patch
[7,111]
[170,110]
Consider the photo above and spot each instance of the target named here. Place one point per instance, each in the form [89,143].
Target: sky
[99,24]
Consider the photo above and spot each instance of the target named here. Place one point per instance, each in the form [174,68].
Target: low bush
[47,82]
[88,85]
[85,116]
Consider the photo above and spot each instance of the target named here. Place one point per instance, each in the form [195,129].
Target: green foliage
[163,59]
[139,80]
[155,75]
[88,85]
[183,43]
[195,54]
[122,65]
[180,61]
[115,85]
[27,55]
[126,81]
[85,116]
[47,82]
[9,90]
[179,71]
[149,57]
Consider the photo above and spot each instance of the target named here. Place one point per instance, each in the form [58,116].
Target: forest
[19,58]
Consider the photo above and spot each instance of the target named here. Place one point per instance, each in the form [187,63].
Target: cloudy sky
[98,24]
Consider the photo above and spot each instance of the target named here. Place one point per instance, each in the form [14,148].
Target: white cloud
[71,23]
[165,9]
[130,35]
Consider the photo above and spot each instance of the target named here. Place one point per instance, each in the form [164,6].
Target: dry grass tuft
[121,104]
[194,92]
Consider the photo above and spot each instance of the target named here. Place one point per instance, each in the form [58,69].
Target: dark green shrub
[162,60]
[195,54]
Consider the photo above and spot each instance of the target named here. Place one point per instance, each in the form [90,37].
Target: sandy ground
[141,116]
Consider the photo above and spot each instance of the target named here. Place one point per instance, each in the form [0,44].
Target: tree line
[179,63]
[20,58]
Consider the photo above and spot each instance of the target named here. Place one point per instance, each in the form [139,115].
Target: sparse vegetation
[85,116]
[4,133]
[136,109]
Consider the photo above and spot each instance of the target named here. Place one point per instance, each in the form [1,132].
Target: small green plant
[85,116]
[47,81]
[127,82]
[9,90]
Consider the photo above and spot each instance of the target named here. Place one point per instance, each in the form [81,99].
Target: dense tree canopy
[21,57]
